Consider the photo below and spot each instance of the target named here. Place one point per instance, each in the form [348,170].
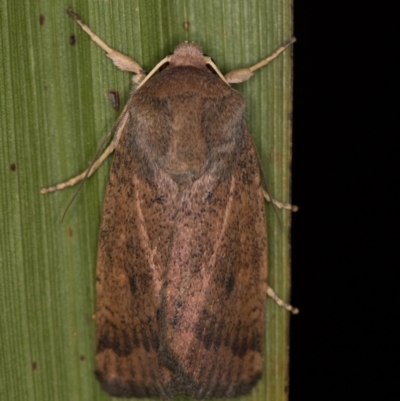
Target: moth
[181,275]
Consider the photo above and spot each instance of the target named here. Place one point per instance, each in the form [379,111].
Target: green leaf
[54,113]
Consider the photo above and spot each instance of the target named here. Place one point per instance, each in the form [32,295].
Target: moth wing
[129,278]
[215,299]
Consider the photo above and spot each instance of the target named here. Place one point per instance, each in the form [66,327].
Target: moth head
[185,55]
[188,54]
[191,54]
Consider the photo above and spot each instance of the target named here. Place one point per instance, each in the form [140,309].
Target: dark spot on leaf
[34,365]
[82,358]
[72,40]
[70,232]
[13,166]
[41,19]
[114,99]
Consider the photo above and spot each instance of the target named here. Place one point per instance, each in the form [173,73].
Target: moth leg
[279,205]
[122,61]
[280,302]
[86,174]
[243,74]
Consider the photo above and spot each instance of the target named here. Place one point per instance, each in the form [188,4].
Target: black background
[345,341]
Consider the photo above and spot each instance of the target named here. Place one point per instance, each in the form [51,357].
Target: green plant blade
[54,113]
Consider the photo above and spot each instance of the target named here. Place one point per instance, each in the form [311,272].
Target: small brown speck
[72,40]
[82,358]
[114,99]
[13,167]
[70,232]
[41,19]
[186,25]
[34,365]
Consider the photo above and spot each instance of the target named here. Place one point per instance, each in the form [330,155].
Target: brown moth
[181,274]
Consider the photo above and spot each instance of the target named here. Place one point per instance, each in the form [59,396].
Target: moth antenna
[215,68]
[120,60]
[154,70]
[274,55]
[243,74]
